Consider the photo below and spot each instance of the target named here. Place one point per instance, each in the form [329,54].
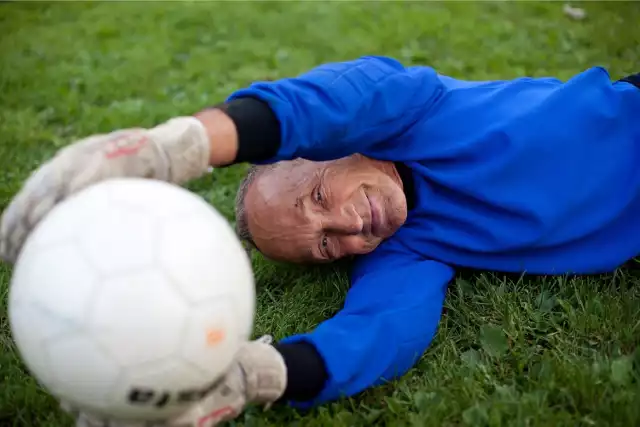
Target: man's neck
[403,173]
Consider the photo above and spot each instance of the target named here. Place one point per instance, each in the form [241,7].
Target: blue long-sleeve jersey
[528,175]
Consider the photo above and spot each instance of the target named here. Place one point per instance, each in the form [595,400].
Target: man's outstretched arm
[389,319]
[329,112]
[332,111]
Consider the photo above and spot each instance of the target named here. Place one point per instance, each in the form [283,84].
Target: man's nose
[345,221]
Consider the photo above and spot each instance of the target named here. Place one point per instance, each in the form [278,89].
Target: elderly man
[413,172]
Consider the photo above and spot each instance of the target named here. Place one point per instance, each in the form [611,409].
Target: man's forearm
[222,135]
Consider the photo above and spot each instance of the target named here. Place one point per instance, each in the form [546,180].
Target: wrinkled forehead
[278,227]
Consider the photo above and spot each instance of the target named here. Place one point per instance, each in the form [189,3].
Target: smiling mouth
[376,216]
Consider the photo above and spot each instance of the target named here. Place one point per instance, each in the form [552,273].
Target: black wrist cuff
[306,371]
[257,126]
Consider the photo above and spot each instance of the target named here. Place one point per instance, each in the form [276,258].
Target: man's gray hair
[242,218]
[242,221]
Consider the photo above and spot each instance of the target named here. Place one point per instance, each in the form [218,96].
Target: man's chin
[389,231]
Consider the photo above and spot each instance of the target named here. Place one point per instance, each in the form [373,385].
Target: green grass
[535,352]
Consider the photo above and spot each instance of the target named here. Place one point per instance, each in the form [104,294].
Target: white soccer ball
[130,299]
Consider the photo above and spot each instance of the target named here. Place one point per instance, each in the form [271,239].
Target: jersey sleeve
[389,318]
[338,109]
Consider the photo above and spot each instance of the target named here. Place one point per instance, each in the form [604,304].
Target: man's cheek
[356,245]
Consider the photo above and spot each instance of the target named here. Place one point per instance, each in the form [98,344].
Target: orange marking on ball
[215,336]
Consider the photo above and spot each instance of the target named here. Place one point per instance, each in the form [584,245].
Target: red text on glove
[125,145]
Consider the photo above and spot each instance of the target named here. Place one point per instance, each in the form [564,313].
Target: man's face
[303,211]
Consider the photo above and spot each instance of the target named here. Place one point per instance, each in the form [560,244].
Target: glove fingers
[74,168]
[176,152]
[203,415]
[36,198]
[223,403]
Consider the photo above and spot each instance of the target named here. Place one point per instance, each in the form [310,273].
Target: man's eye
[318,195]
[325,242]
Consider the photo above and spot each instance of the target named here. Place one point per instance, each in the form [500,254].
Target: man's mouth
[377,216]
